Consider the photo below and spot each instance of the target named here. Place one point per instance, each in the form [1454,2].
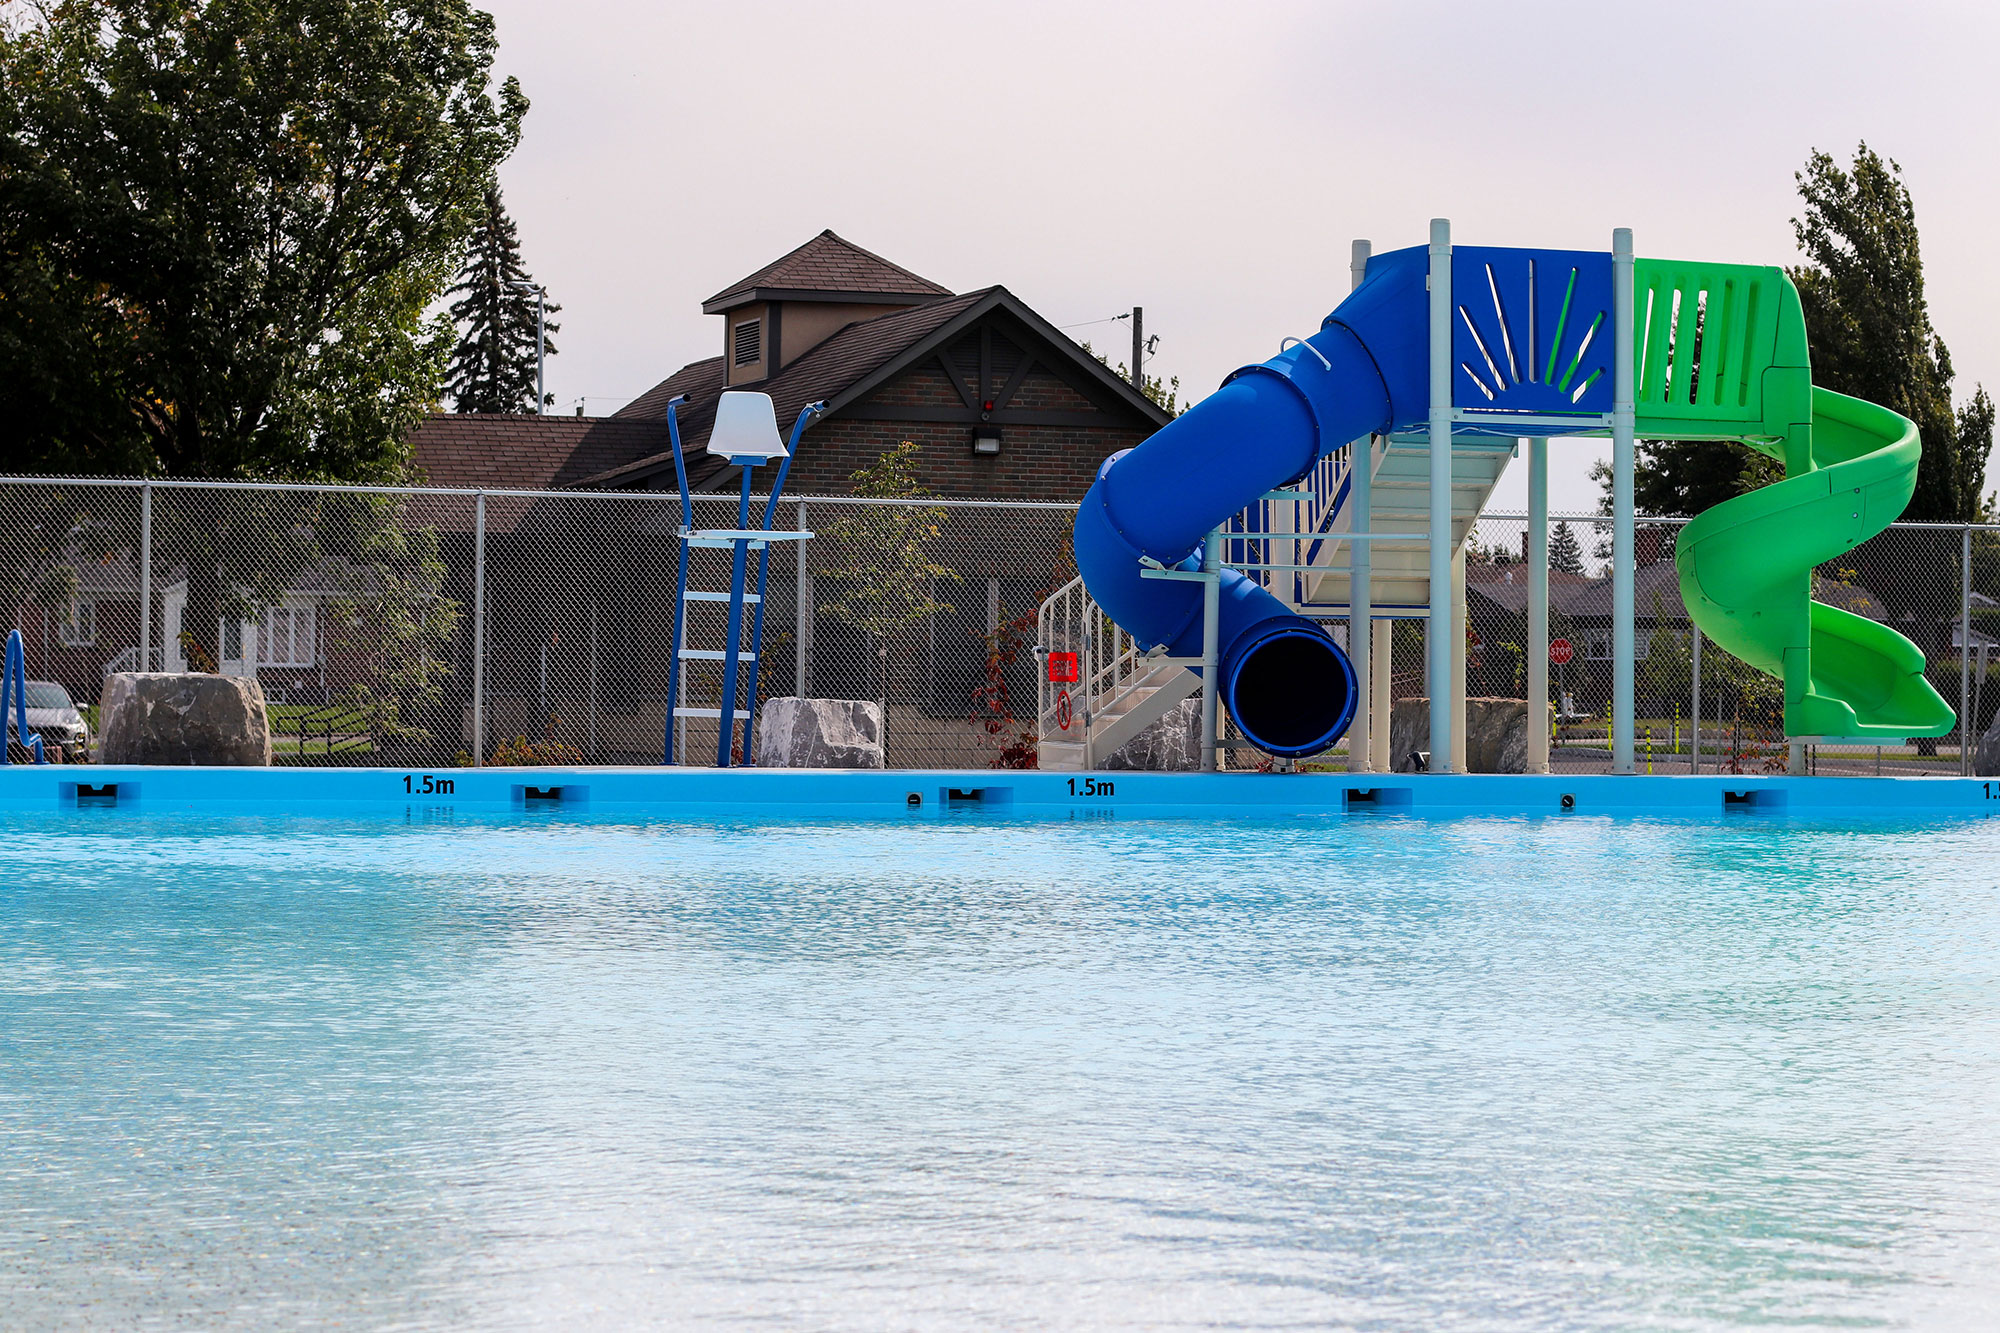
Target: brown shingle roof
[827,263]
[522,451]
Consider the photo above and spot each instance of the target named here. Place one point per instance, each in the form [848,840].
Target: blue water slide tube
[1283,678]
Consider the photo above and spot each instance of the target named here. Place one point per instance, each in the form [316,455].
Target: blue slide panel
[1283,678]
[1531,331]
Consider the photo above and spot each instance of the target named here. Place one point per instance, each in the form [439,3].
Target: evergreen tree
[1565,552]
[1863,289]
[493,367]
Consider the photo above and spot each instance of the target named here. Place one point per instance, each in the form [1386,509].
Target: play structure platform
[1375,443]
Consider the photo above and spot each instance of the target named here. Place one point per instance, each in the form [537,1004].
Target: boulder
[1496,734]
[174,717]
[1986,759]
[820,733]
[1172,744]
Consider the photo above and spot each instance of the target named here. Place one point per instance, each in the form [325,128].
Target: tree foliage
[493,368]
[234,213]
[1869,324]
[1565,551]
[221,224]
[882,563]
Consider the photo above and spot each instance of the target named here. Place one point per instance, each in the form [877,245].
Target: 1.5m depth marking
[426,785]
[1090,787]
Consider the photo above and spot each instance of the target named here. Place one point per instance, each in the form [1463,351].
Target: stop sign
[1560,651]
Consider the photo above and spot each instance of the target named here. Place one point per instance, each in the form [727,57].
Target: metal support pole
[1360,569]
[1385,704]
[740,552]
[1965,719]
[1537,556]
[1438,636]
[1459,649]
[1694,722]
[1624,645]
[146,577]
[1139,348]
[802,637]
[1211,644]
[479,630]
[541,349]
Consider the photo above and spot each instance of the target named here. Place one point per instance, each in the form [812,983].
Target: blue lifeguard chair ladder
[14,702]
[746,433]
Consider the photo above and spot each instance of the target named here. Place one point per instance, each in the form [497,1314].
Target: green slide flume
[1721,353]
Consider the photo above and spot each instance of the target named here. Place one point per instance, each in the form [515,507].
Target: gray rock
[1172,744]
[162,717]
[819,733]
[1986,758]
[1496,734]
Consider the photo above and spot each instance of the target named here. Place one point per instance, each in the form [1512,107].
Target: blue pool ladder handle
[14,693]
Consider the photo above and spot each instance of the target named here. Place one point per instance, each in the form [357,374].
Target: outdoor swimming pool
[563,1069]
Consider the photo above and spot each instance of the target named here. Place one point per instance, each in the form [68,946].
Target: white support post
[145,577]
[479,630]
[1211,645]
[1537,557]
[802,603]
[1458,654]
[1439,635]
[1624,644]
[1360,570]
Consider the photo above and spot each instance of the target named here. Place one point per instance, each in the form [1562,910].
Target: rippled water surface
[1366,1072]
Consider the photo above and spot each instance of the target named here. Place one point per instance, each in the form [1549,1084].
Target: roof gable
[849,367]
[827,267]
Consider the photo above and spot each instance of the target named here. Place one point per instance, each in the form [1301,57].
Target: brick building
[1004,405]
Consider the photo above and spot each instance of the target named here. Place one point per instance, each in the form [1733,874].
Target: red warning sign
[1560,651]
[1063,713]
[1062,669]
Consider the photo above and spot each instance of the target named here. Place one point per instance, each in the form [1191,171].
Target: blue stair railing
[14,702]
[739,540]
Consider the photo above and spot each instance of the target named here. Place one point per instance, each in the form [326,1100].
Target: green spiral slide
[1720,353]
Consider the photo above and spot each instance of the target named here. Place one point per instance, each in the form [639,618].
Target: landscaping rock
[1172,744]
[819,733]
[172,717]
[1986,759]
[1496,734]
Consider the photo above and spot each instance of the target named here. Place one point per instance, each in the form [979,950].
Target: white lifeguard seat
[746,429]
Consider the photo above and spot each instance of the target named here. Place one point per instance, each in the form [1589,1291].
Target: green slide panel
[1721,354]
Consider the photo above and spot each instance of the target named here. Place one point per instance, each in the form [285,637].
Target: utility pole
[1139,348]
[541,340]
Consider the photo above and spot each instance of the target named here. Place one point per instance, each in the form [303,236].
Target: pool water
[1367,1072]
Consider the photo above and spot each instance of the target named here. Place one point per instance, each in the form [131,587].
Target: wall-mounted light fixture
[986,438]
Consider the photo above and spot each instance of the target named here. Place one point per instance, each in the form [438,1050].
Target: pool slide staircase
[14,703]
[1719,353]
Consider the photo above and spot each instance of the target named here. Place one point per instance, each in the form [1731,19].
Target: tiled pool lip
[934,792]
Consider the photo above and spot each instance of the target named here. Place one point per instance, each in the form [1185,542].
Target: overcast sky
[1211,162]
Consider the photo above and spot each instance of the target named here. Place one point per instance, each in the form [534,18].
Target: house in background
[1004,405]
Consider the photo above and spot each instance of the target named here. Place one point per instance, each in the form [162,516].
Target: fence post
[1965,652]
[802,632]
[479,630]
[1694,722]
[1211,652]
[146,576]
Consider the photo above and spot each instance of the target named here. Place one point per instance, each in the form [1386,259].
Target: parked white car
[54,715]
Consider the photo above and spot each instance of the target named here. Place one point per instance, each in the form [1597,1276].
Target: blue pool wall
[906,793]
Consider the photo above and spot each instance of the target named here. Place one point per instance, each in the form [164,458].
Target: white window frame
[78,625]
[296,615]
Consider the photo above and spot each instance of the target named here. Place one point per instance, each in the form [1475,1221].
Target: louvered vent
[749,342]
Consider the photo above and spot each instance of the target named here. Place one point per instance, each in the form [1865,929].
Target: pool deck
[905,793]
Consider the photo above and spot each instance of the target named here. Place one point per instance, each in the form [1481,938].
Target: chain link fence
[441,627]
